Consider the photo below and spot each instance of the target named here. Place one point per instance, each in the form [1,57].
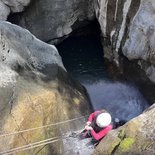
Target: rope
[30,146]
[41,127]
[34,145]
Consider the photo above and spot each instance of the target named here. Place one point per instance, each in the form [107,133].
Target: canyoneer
[98,125]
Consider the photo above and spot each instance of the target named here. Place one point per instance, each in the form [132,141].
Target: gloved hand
[88,128]
[87,125]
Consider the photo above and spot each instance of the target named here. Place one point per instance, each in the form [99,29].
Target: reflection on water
[83,59]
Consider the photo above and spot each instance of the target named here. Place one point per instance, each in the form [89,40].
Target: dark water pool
[83,59]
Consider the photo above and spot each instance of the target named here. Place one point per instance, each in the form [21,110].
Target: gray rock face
[140,43]
[51,20]
[35,91]
[19,47]
[4,11]
[7,6]
[114,17]
[129,26]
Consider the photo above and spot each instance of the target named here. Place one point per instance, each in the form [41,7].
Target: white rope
[29,146]
[34,145]
[41,127]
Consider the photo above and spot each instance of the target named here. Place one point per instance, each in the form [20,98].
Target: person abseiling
[99,124]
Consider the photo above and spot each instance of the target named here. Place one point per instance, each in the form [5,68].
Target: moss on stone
[126,144]
[121,134]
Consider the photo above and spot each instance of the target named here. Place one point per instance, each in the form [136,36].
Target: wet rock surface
[76,146]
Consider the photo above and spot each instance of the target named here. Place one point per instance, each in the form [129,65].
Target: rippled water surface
[83,59]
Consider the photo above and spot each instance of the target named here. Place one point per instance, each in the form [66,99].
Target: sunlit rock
[35,91]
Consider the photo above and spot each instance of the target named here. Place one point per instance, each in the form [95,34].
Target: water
[83,59]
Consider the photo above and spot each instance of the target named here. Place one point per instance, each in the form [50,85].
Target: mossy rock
[121,134]
[126,144]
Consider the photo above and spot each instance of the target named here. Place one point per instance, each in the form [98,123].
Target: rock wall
[35,88]
[135,137]
[35,91]
[114,18]
[140,42]
[128,29]
[127,26]
[54,20]
[7,6]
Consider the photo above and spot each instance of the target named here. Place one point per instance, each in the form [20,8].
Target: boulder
[135,137]
[36,92]
[52,21]
[7,6]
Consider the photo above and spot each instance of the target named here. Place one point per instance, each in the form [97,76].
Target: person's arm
[92,115]
[102,133]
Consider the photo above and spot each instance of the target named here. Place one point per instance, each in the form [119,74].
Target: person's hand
[85,128]
[88,123]
[88,128]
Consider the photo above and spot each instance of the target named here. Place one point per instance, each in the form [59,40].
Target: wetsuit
[97,132]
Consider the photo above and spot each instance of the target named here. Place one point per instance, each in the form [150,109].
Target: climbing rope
[34,145]
[41,127]
[39,143]
[29,146]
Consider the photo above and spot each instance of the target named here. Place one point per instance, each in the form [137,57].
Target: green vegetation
[126,144]
[121,134]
